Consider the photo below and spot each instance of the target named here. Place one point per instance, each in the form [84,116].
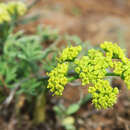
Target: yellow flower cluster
[92,67]
[121,65]
[58,79]
[127,78]
[113,51]
[126,74]
[10,9]
[118,67]
[17,7]
[4,14]
[123,70]
[104,96]
[69,53]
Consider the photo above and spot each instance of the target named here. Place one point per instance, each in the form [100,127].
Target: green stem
[74,76]
[40,109]
[112,74]
[72,79]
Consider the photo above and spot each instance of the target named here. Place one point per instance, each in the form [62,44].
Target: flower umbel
[4,15]
[11,9]
[113,51]
[69,53]
[110,60]
[92,67]
[58,79]
[18,8]
[104,96]
[126,74]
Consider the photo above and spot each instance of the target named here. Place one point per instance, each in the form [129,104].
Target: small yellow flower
[18,8]
[4,15]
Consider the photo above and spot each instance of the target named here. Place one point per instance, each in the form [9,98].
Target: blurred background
[94,21]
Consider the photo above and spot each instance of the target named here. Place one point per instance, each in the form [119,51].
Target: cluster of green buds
[109,60]
[10,9]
